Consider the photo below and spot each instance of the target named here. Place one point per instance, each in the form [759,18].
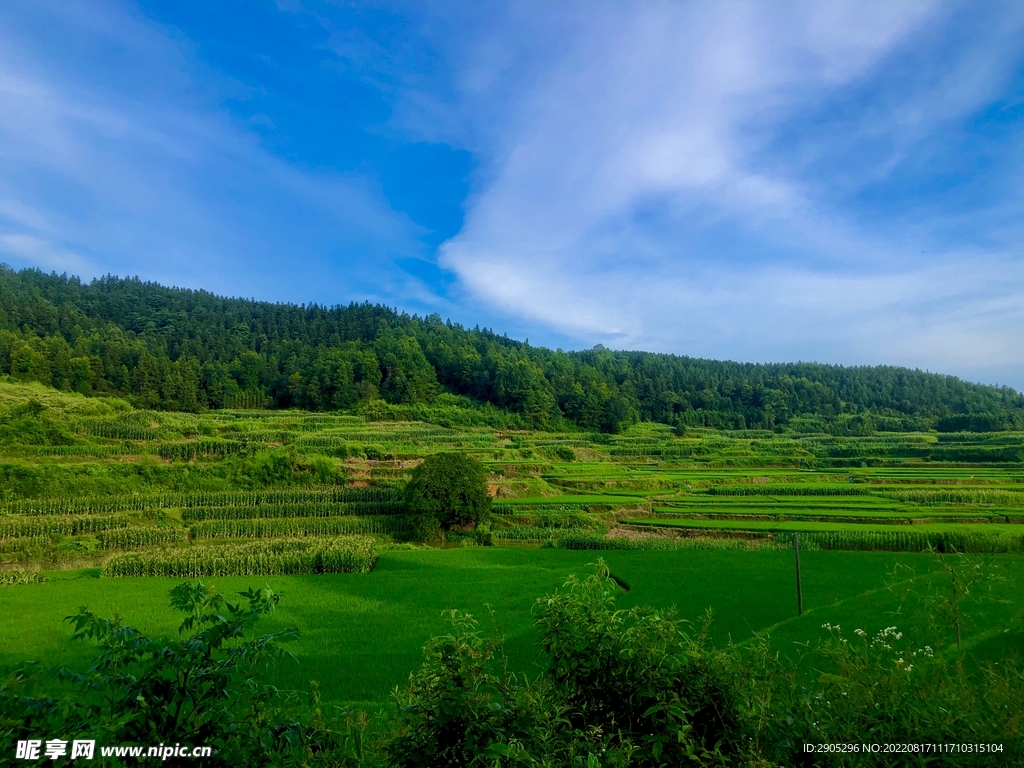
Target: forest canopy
[177,349]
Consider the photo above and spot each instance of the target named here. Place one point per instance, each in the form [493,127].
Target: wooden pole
[799,589]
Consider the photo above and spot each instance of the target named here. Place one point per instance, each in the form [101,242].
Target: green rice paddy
[363,633]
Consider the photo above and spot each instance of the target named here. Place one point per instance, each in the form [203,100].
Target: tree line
[188,350]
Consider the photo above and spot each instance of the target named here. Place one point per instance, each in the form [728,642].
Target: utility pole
[799,589]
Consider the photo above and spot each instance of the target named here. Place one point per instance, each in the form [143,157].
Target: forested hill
[188,350]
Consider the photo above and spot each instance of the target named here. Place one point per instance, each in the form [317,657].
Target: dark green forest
[175,349]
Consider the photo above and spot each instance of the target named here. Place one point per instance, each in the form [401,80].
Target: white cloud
[631,193]
[122,163]
[44,254]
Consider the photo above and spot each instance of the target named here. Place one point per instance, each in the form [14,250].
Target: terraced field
[122,480]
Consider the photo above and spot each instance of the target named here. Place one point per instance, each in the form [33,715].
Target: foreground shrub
[201,689]
[638,674]
[636,688]
[461,708]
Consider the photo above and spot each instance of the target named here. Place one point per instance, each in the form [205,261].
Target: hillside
[174,349]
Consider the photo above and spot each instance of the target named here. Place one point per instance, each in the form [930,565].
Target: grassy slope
[362,634]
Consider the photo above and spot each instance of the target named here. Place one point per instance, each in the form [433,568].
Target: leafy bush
[460,709]
[200,689]
[639,675]
[32,423]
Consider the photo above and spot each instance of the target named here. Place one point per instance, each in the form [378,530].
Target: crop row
[353,554]
[914,541]
[69,505]
[300,509]
[116,430]
[324,494]
[677,514]
[958,496]
[16,528]
[192,449]
[527,533]
[591,540]
[132,538]
[808,489]
[91,450]
[261,436]
[330,440]
[298,526]
[514,509]
[896,540]
[675,451]
[181,450]
[25,544]
[137,502]
[528,516]
[12,578]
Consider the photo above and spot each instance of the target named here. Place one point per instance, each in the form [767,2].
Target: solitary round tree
[449,487]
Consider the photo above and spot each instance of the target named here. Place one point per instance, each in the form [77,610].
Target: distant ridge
[179,349]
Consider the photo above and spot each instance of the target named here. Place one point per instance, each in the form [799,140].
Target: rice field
[361,633]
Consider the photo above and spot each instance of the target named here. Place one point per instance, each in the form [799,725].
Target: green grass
[363,633]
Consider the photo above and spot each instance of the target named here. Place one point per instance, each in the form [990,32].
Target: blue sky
[840,182]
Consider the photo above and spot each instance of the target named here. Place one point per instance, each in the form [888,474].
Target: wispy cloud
[723,180]
[124,162]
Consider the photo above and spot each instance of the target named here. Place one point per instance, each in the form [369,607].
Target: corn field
[324,495]
[193,449]
[528,516]
[913,541]
[117,430]
[354,554]
[590,540]
[788,490]
[66,526]
[134,538]
[316,509]
[515,509]
[298,526]
[527,533]
[69,505]
[959,496]
[90,450]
